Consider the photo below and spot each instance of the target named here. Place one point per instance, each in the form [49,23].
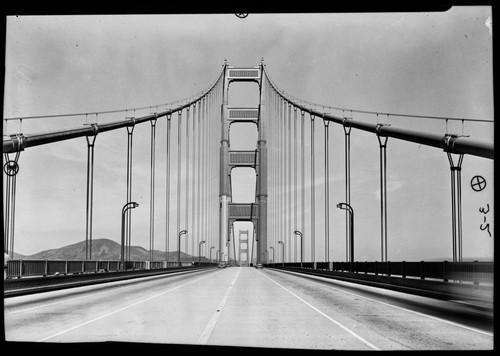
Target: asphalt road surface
[242,306]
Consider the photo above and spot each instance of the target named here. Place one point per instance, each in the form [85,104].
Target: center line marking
[366,342]
[205,335]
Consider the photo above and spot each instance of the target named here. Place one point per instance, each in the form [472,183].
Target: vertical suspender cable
[275,117]
[289,150]
[456,207]
[216,132]
[383,194]
[167,192]
[6,233]
[313,197]
[210,171]
[327,195]
[90,194]
[347,151]
[203,129]
[11,168]
[179,149]
[280,170]
[128,221]
[201,183]
[198,175]
[186,240]
[270,141]
[303,183]
[284,211]
[152,191]
[193,202]
[295,181]
[459,207]
[205,165]
[277,153]
[283,175]
[13,211]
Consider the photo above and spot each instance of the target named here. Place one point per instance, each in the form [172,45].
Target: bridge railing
[475,272]
[31,268]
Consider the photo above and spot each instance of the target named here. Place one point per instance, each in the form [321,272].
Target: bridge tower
[257,159]
[243,247]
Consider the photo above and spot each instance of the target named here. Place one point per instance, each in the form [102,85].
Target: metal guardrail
[14,287]
[475,272]
[32,268]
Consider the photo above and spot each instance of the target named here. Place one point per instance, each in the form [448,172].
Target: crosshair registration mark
[478,183]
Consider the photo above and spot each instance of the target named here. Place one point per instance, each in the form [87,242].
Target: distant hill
[105,249]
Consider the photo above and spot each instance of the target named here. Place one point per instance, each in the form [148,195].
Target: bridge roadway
[241,306]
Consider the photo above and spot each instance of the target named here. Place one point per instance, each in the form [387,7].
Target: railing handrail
[464,271]
[44,267]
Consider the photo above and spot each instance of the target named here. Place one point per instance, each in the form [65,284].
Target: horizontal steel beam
[243,211]
[243,158]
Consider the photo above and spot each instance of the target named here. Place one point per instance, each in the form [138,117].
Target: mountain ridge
[105,249]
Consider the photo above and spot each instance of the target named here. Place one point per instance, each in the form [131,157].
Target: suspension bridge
[311,286]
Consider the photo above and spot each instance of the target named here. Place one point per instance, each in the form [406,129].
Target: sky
[423,63]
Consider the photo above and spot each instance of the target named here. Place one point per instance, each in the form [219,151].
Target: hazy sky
[418,63]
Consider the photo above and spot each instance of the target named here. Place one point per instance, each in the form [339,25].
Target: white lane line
[205,335]
[116,284]
[59,302]
[366,342]
[410,311]
[124,308]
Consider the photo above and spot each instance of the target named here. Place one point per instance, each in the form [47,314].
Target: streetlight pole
[346,206]
[283,254]
[179,252]
[211,253]
[130,205]
[301,254]
[273,254]
[199,252]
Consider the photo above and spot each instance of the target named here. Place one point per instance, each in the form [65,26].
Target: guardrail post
[388,268]
[475,272]
[46,268]
[445,271]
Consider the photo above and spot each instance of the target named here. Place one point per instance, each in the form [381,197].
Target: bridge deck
[246,307]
